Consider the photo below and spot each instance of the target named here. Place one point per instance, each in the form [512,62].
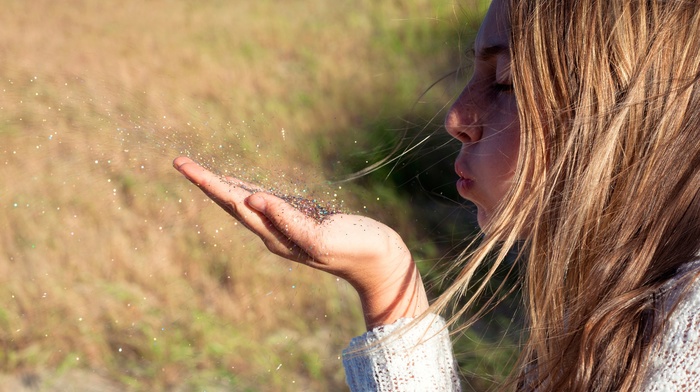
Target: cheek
[511,145]
[504,147]
[511,134]
[500,168]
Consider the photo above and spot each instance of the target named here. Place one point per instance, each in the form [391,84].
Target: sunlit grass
[111,262]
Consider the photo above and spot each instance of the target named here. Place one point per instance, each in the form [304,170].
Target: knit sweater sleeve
[675,361]
[415,358]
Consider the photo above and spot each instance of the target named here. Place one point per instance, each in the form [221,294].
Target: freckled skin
[485,120]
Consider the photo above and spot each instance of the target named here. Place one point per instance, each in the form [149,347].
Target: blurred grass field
[117,274]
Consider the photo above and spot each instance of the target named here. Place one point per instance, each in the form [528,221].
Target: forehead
[494,33]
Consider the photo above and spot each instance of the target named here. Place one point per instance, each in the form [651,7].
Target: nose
[462,121]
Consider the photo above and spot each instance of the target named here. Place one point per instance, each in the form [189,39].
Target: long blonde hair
[607,191]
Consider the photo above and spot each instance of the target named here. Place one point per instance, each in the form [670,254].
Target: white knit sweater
[420,358]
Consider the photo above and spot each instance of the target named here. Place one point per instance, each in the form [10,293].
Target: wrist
[404,297]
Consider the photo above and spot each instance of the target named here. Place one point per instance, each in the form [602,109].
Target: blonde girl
[580,137]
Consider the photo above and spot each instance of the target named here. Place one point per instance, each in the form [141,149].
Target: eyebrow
[490,51]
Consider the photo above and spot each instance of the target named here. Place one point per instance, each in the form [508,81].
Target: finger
[227,195]
[197,174]
[213,185]
[274,239]
[252,188]
[230,195]
[296,226]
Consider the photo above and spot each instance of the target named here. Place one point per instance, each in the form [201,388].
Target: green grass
[111,263]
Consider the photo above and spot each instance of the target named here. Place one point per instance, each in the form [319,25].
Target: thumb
[288,220]
[257,202]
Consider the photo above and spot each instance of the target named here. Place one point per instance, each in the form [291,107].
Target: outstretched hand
[369,255]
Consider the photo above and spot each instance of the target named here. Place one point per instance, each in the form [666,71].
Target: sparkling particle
[312,208]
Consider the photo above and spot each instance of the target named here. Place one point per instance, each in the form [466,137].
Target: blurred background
[116,274]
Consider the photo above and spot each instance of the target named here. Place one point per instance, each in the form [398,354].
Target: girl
[580,134]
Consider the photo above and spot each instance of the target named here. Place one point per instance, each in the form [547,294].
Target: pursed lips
[461,172]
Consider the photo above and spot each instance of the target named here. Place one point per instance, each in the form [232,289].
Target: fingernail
[256,202]
[176,165]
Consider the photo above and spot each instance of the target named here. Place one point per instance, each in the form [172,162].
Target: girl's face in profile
[485,118]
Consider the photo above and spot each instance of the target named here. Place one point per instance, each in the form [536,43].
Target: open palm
[368,254]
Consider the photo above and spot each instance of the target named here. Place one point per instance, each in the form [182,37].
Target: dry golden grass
[110,261]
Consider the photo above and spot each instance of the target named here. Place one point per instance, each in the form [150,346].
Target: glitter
[312,208]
